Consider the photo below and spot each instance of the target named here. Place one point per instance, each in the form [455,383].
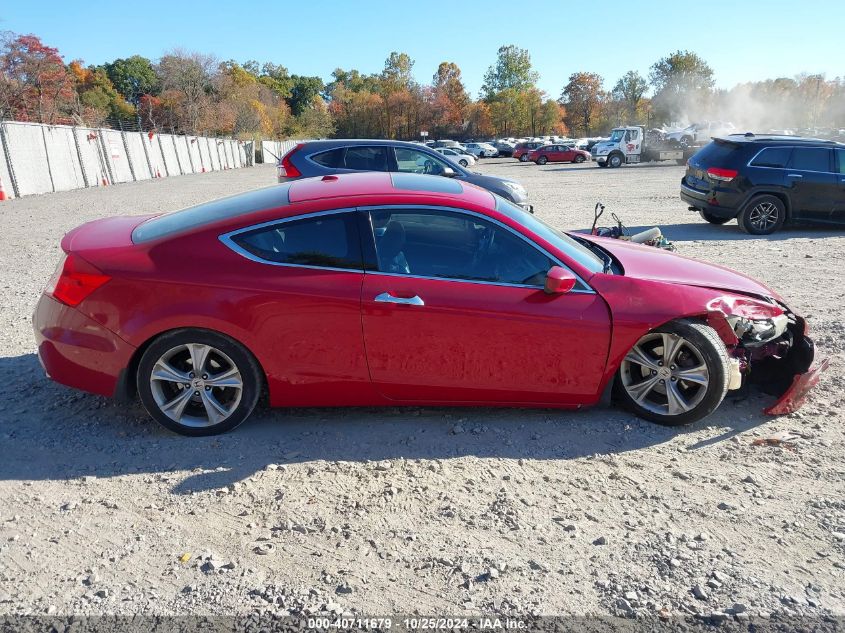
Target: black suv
[320,158]
[764,181]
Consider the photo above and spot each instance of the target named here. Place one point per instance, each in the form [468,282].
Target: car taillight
[718,173]
[74,280]
[286,167]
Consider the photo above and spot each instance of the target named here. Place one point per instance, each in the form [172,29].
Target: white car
[700,132]
[482,150]
[464,160]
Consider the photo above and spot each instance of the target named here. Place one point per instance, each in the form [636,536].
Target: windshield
[558,239]
[616,136]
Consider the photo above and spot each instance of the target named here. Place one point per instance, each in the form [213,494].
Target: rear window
[210,212]
[715,153]
[323,241]
[772,157]
[810,159]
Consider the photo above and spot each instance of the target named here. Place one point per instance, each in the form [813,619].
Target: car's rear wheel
[523,158]
[712,219]
[579,159]
[762,215]
[675,375]
[542,160]
[198,382]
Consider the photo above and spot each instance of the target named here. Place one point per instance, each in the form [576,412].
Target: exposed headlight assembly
[755,322]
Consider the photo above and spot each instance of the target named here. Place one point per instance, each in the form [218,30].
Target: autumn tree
[96,96]
[450,99]
[682,84]
[35,85]
[133,77]
[187,78]
[583,97]
[629,91]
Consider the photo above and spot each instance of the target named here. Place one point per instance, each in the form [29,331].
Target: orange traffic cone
[2,193]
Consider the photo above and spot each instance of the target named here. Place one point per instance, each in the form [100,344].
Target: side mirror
[559,281]
[448,172]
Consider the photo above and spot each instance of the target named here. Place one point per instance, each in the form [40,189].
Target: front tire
[198,382]
[762,215]
[675,374]
[463,163]
[542,160]
[614,161]
[712,219]
[579,159]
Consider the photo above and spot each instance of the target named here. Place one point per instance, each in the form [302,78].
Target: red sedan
[558,154]
[398,289]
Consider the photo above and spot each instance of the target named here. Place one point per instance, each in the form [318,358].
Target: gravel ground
[435,511]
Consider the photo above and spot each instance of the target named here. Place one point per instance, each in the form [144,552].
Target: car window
[332,158]
[455,245]
[324,241]
[772,157]
[366,158]
[840,158]
[810,159]
[414,161]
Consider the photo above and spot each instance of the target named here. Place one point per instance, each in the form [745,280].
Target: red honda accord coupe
[399,289]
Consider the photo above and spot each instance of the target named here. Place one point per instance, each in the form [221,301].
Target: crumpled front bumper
[796,394]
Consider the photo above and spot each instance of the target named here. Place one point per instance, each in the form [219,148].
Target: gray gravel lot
[424,510]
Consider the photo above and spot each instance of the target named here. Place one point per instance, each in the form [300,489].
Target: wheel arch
[780,195]
[127,388]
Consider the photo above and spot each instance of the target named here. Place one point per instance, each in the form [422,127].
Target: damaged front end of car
[769,347]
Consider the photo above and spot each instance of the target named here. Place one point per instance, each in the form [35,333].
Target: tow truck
[632,144]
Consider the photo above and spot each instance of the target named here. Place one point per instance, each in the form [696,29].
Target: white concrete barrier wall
[171,159]
[5,176]
[63,159]
[29,158]
[182,152]
[116,156]
[194,152]
[137,155]
[205,157]
[157,166]
[91,156]
[46,158]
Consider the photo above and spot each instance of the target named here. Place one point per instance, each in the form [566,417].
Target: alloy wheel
[665,373]
[196,385]
[763,216]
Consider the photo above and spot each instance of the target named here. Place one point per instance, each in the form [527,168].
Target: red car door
[568,155]
[457,313]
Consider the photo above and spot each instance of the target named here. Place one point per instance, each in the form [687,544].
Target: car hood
[655,264]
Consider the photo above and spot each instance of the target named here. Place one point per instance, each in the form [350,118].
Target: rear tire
[684,381]
[523,158]
[763,215]
[214,398]
[712,219]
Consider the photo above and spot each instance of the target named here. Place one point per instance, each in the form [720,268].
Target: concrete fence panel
[91,156]
[205,156]
[118,160]
[270,152]
[236,152]
[5,175]
[171,157]
[153,147]
[63,159]
[183,154]
[134,142]
[227,149]
[196,156]
[29,158]
[214,156]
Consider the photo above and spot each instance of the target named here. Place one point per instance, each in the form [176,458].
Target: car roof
[374,183]
[777,139]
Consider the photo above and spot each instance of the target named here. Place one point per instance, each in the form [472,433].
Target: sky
[742,40]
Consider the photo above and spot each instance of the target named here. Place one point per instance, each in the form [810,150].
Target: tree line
[189,92]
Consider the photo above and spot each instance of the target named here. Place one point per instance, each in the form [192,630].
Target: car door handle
[386,297]
[794,176]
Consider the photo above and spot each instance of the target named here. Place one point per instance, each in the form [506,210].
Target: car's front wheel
[542,160]
[712,219]
[675,374]
[464,162]
[579,159]
[198,382]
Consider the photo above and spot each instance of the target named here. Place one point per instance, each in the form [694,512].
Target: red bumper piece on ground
[794,397]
